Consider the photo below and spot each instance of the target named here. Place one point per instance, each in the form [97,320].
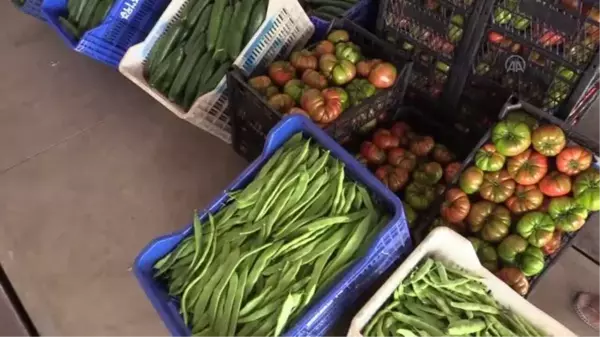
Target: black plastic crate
[573,137]
[437,33]
[542,51]
[252,117]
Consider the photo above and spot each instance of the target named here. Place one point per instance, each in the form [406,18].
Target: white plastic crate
[286,25]
[447,246]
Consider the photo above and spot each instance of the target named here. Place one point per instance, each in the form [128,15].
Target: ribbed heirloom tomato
[402,158]
[281,72]
[491,220]
[428,173]
[441,154]
[525,198]
[385,140]
[587,189]
[527,168]
[555,184]
[419,196]
[573,159]
[393,177]
[372,153]
[421,146]
[471,179]
[536,227]
[567,214]
[497,186]
[456,206]
[515,279]
[486,253]
[510,137]
[488,159]
[450,171]
[548,140]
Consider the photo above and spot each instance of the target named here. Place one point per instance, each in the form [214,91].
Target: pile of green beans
[441,300]
[260,260]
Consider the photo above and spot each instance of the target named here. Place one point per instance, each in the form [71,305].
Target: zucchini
[220,50]
[215,79]
[335,3]
[236,31]
[191,87]
[335,11]
[259,12]
[69,27]
[174,65]
[216,16]
[177,89]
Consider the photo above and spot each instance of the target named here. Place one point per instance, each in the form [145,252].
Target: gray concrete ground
[92,169]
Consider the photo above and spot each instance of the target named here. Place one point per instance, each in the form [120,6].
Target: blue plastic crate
[127,23]
[361,14]
[393,243]
[33,8]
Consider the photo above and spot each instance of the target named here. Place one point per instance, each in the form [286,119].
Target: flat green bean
[223,322]
[417,323]
[311,288]
[465,327]
[262,312]
[290,303]
[475,307]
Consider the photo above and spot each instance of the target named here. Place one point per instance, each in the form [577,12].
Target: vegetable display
[522,192]
[442,300]
[415,167]
[322,82]
[253,266]
[195,52]
[84,15]
[329,10]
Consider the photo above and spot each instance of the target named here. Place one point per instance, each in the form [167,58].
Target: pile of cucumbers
[330,9]
[253,267]
[194,54]
[84,15]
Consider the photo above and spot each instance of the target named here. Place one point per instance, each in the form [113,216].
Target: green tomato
[510,248]
[410,214]
[536,227]
[419,196]
[531,261]
[586,189]
[568,215]
[348,51]
[511,138]
[486,253]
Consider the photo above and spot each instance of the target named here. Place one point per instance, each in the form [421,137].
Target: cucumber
[88,15]
[220,51]
[177,89]
[197,12]
[215,78]
[216,16]
[323,16]
[191,87]
[236,32]
[172,38]
[72,6]
[259,12]
[206,74]
[335,11]
[69,27]
[174,66]
[155,78]
[200,28]
[335,3]
[197,43]
[79,12]
[101,13]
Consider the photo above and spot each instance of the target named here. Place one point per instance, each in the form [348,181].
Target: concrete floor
[92,169]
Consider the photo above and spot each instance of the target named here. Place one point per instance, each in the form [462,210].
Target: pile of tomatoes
[523,190]
[409,164]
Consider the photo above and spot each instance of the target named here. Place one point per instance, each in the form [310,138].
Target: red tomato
[384,139]
[451,171]
[372,153]
[555,184]
[383,75]
[573,160]
[528,168]
[495,38]
[456,207]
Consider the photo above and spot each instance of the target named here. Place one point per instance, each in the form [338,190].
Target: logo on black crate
[515,64]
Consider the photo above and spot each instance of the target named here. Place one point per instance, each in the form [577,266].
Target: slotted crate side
[437,33]
[285,26]
[542,51]
[127,23]
[362,14]
[254,117]
[31,7]
[584,105]
[390,245]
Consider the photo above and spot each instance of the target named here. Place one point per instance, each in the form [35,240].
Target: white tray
[285,26]
[446,245]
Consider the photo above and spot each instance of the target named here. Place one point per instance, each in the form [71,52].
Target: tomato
[495,38]
[536,227]
[343,72]
[338,35]
[271,91]
[497,186]
[490,220]
[372,153]
[314,79]
[348,51]
[393,177]
[298,111]
[488,159]
[419,196]
[511,247]
[303,59]
[326,64]
[428,173]
[520,116]
[421,146]
[281,72]
[567,214]
[573,159]
[515,279]
[281,102]
[385,140]
[324,47]
[471,179]
[321,109]
[402,158]
[294,88]
[363,68]
[410,214]
[552,246]
[526,198]
[336,93]
[586,189]
[548,140]
[383,75]
[451,171]
[511,138]
[399,129]
[456,206]
[555,184]
[486,253]
[441,154]
[260,83]
[527,168]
